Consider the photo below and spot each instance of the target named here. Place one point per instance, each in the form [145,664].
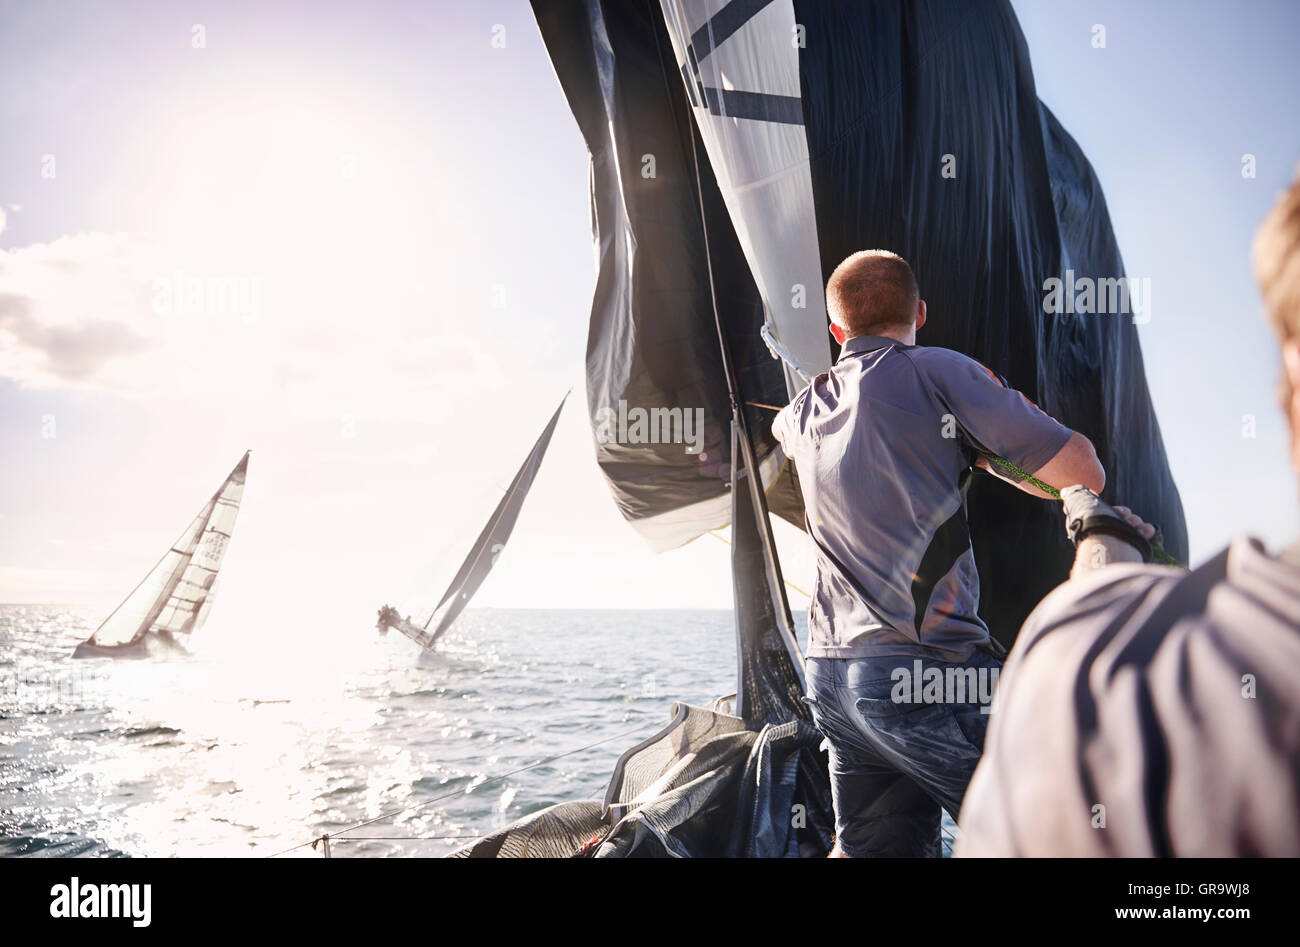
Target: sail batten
[175,596]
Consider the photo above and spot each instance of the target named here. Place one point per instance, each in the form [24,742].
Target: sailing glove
[1086,513]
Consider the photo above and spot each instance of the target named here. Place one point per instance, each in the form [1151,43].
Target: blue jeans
[899,752]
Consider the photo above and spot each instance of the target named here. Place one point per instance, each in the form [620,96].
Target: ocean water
[231,753]
[239,751]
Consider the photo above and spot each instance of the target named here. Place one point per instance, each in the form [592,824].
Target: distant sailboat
[482,557]
[175,597]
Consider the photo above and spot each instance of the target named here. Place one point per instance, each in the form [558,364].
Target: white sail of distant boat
[482,557]
[175,597]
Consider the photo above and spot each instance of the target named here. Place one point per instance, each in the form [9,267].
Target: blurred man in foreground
[1146,711]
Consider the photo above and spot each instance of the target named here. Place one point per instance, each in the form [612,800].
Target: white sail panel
[130,620]
[172,597]
[740,62]
[492,540]
[185,609]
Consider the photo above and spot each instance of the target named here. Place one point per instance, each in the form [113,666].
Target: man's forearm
[983,463]
[1075,463]
[1098,551]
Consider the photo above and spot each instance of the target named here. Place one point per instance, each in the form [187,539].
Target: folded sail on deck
[176,595]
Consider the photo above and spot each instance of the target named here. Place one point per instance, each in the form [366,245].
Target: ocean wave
[31,846]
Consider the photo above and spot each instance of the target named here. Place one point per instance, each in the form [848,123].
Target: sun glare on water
[269,734]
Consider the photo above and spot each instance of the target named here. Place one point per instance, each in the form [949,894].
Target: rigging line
[399,838]
[154,568]
[778,350]
[1157,552]
[466,789]
[783,578]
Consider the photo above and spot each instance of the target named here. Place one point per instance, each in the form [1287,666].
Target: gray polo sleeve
[994,417]
[779,422]
[785,426]
[1027,796]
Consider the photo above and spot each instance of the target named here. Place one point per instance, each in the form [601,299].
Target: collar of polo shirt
[867,343]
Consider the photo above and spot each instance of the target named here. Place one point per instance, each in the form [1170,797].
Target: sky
[403,209]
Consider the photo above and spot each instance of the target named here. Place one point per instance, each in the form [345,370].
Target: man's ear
[920,313]
[838,333]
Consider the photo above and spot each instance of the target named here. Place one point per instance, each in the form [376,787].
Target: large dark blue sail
[739,150]
[926,136]
[652,343]
[831,127]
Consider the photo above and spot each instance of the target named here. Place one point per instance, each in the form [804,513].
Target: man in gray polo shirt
[1148,711]
[883,443]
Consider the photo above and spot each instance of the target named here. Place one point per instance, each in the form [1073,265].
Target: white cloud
[385,400]
[145,318]
[70,309]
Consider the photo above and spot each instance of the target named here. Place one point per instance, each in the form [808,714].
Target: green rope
[1029,478]
[1157,553]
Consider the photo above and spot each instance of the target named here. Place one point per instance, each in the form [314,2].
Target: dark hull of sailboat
[149,646]
[412,631]
[136,651]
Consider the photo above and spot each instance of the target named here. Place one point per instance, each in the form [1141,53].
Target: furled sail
[176,596]
[482,557]
[652,344]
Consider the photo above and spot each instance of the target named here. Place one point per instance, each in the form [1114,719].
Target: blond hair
[1277,263]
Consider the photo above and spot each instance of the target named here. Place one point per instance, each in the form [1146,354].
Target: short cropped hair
[1277,263]
[872,290]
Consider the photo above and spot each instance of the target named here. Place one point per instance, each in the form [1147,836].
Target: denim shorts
[899,750]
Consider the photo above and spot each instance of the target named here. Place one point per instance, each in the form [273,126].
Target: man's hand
[1098,550]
